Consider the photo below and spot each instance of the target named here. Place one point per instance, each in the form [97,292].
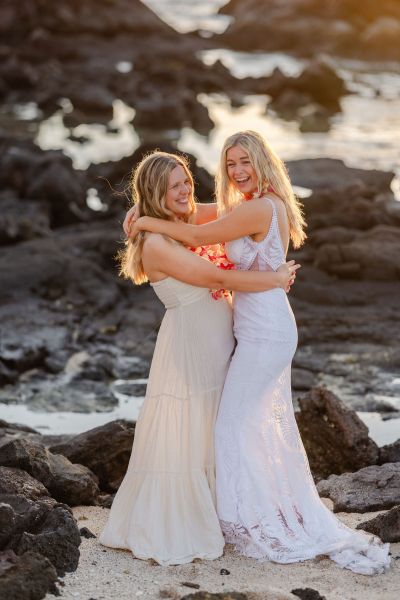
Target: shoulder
[278,203]
[258,205]
[256,208]
[154,243]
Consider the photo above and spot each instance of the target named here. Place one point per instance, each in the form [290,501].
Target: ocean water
[364,134]
[189,15]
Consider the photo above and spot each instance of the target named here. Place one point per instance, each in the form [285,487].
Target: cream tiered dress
[165,506]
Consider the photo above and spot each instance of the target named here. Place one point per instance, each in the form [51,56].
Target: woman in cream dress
[165,506]
[267,502]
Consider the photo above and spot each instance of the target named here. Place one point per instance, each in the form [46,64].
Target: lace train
[267,503]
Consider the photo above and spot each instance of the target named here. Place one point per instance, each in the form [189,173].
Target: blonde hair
[271,173]
[149,185]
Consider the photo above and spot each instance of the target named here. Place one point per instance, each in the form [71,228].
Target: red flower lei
[216,254]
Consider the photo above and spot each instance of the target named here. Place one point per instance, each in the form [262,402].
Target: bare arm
[206,212]
[246,219]
[162,258]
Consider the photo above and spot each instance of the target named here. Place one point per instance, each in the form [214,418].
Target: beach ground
[107,574]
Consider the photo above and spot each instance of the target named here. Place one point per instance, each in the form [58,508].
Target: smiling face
[179,192]
[241,172]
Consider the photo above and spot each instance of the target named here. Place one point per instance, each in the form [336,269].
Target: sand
[107,574]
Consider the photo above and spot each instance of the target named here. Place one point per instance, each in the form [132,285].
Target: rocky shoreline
[41,478]
[71,328]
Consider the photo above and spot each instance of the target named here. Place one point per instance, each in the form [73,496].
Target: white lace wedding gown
[165,506]
[267,502]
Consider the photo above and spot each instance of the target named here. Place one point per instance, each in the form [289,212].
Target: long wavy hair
[271,174]
[149,187]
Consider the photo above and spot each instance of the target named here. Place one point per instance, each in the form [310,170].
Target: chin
[182,212]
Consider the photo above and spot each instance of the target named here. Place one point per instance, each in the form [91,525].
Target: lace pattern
[267,502]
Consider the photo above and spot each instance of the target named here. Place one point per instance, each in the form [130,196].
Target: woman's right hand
[131,216]
[287,273]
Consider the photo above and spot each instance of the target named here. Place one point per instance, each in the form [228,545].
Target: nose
[184,188]
[237,170]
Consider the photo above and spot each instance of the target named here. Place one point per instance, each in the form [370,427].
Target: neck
[249,195]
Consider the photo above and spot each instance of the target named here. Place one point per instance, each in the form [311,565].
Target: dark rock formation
[371,488]
[30,520]
[332,176]
[73,484]
[30,576]
[46,178]
[318,83]
[76,54]
[370,255]
[86,533]
[104,450]
[335,438]
[307,594]
[353,219]
[390,453]
[338,27]
[15,481]
[386,526]
[56,537]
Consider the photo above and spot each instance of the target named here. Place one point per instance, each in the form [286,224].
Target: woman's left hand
[130,218]
[134,229]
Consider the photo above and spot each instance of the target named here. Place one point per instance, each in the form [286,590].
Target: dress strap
[272,204]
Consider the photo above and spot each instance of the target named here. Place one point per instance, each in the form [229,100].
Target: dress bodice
[174,293]
[268,254]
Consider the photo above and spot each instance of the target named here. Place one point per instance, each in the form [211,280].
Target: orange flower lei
[216,254]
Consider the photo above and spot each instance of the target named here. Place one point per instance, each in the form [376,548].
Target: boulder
[335,438]
[329,174]
[14,481]
[307,594]
[371,488]
[19,514]
[386,526]
[390,453]
[105,450]
[372,255]
[317,83]
[73,484]
[27,577]
[45,177]
[302,379]
[56,537]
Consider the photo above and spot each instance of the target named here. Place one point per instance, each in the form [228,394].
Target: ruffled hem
[162,560]
[168,517]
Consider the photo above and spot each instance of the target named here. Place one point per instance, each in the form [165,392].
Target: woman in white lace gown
[165,506]
[267,502]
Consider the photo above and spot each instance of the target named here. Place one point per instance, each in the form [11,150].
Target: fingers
[127,224]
